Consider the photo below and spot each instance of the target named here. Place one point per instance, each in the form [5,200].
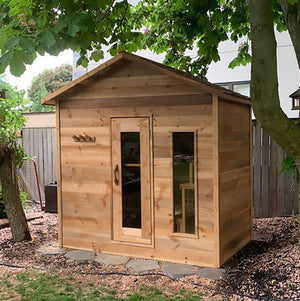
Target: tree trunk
[11,198]
[292,18]
[264,81]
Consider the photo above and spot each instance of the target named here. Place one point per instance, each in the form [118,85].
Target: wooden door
[131,180]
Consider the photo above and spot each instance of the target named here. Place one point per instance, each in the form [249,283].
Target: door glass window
[131,180]
[184,182]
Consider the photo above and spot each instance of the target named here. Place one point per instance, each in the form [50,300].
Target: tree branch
[264,82]
[292,18]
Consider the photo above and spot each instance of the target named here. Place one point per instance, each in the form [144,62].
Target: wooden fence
[40,143]
[273,194]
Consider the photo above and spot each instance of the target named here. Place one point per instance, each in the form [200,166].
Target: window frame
[230,85]
[196,202]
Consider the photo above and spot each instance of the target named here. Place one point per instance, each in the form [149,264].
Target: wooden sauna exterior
[130,94]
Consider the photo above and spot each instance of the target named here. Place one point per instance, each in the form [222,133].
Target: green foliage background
[11,122]
[47,82]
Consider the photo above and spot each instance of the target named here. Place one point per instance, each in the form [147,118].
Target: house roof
[105,67]
[296,94]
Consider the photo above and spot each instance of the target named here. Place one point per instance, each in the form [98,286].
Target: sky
[40,64]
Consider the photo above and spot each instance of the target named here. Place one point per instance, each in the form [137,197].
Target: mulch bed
[266,269]
[269,268]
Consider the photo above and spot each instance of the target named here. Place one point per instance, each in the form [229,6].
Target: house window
[239,87]
[184,182]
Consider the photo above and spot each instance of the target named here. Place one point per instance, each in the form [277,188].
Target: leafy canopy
[175,27]
[28,27]
[11,122]
[47,82]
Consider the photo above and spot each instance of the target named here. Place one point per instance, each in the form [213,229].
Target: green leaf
[11,43]
[47,38]
[234,63]
[27,43]
[97,56]
[83,61]
[113,49]
[17,66]
[4,61]
[59,26]
[28,57]
[288,166]
[73,29]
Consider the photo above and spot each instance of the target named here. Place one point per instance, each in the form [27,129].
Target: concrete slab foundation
[51,249]
[111,259]
[176,270]
[80,255]
[211,273]
[142,265]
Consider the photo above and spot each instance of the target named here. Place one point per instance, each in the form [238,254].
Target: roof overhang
[99,71]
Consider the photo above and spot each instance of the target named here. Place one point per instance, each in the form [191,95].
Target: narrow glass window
[131,179]
[184,182]
[243,89]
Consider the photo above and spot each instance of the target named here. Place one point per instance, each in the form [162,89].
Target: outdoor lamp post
[295,100]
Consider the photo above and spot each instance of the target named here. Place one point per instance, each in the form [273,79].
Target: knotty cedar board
[234,177]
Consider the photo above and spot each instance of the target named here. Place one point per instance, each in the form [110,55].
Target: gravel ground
[269,267]
[266,269]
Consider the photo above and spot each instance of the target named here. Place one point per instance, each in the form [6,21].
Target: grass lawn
[39,286]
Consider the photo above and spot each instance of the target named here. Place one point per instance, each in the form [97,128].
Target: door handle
[116,175]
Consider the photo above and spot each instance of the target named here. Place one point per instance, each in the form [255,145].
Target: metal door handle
[116,175]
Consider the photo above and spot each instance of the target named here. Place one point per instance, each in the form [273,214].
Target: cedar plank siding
[234,177]
[133,87]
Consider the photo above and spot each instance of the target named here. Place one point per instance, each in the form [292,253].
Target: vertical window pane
[243,89]
[184,182]
[131,180]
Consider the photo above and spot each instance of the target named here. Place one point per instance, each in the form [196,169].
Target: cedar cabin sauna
[153,163]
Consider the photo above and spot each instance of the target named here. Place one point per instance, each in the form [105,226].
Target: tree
[31,27]
[11,157]
[47,82]
[174,27]
[264,81]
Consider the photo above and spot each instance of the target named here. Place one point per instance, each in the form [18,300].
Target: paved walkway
[140,266]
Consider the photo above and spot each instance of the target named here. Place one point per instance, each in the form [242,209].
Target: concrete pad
[80,255]
[51,249]
[177,270]
[110,259]
[211,273]
[142,265]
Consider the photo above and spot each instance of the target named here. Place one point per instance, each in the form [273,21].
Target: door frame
[120,234]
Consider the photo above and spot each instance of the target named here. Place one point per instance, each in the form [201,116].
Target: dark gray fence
[273,194]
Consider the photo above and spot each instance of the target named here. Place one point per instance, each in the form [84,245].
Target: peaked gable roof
[95,73]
